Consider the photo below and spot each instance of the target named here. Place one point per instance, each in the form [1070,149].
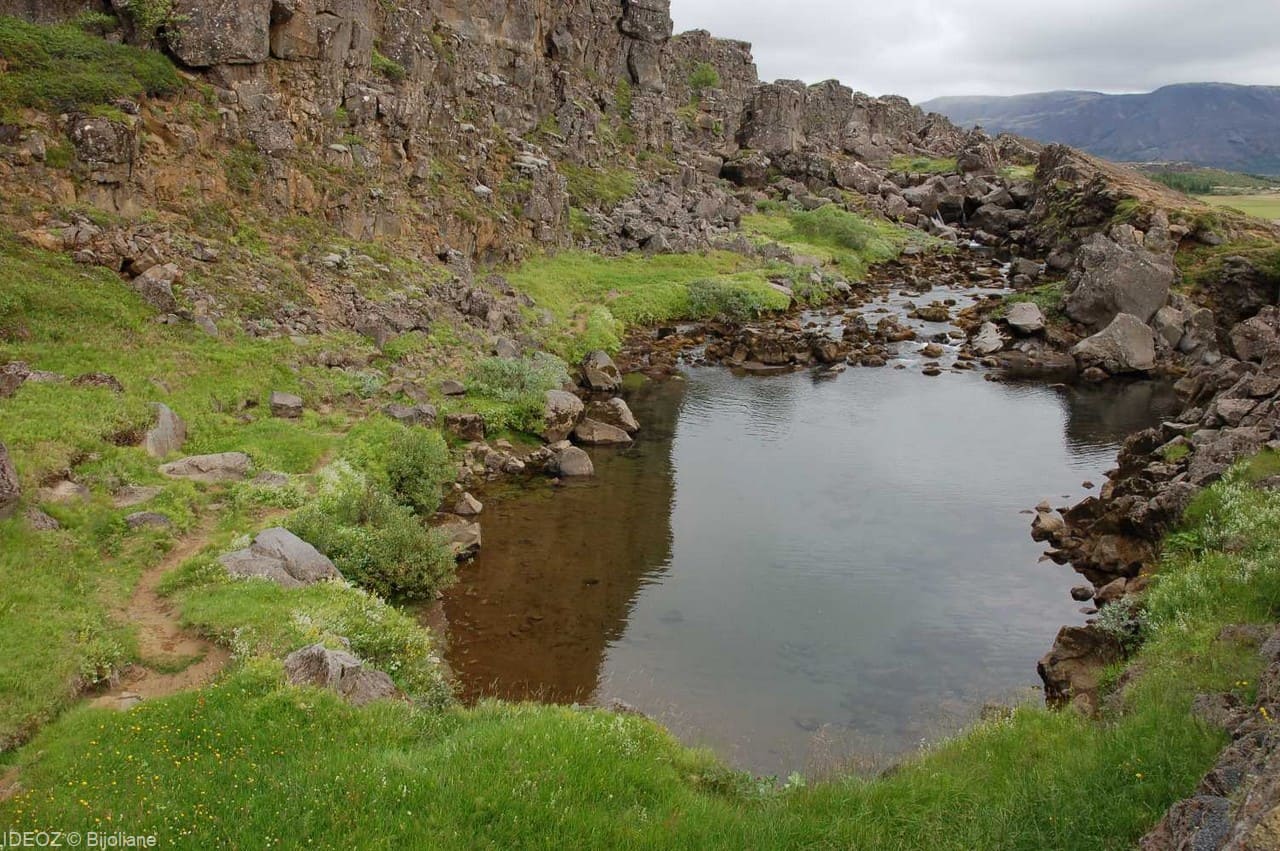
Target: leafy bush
[373,540]
[388,68]
[715,298]
[833,226]
[521,384]
[598,186]
[1191,184]
[66,68]
[704,76]
[410,463]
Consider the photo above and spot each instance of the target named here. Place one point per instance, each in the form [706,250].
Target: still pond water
[792,571]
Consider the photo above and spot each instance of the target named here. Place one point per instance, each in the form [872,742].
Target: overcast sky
[927,48]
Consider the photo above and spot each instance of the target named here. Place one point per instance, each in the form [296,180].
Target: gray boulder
[282,557]
[412,415]
[614,412]
[223,467]
[156,287]
[10,489]
[1126,345]
[572,462]
[168,434]
[1026,318]
[287,406]
[453,388]
[1114,276]
[148,520]
[599,372]
[339,671]
[1258,339]
[466,426]
[595,433]
[564,410]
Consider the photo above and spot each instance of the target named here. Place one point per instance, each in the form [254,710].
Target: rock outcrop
[210,469]
[281,557]
[1118,274]
[338,671]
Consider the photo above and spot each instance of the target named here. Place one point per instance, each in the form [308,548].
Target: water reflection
[788,570]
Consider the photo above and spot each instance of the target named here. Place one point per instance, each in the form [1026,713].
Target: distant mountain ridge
[1214,124]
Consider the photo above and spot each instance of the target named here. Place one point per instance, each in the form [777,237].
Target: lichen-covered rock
[564,410]
[572,462]
[204,33]
[1026,318]
[338,671]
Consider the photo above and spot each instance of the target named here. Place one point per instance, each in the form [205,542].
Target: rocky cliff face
[460,115]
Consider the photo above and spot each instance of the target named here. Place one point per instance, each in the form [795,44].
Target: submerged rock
[572,462]
[594,433]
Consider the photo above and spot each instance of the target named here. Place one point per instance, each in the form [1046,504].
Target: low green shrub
[715,298]
[65,67]
[520,384]
[373,540]
[410,463]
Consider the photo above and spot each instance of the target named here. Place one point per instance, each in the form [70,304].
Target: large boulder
[156,287]
[338,671]
[223,467]
[204,33]
[1126,345]
[1072,669]
[10,489]
[463,536]
[167,435]
[615,412]
[572,462]
[282,557]
[1026,318]
[599,372]
[564,410]
[595,433]
[286,405]
[1118,275]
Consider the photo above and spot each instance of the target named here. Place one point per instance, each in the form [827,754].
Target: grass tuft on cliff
[231,765]
[67,68]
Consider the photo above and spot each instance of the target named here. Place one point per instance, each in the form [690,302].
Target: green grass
[252,761]
[1205,181]
[1018,172]
[592,299]
[834,236]
[924,165]
[1262,205]
[65,68]
[1049,297]
[601,187]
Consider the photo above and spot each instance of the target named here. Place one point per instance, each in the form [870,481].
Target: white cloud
[927,48]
